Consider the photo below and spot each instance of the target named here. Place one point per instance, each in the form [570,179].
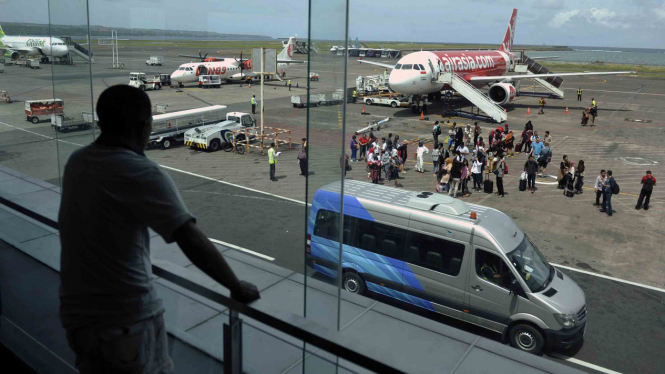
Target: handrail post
[233,344]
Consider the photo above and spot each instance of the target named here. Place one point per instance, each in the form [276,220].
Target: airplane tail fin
[507,44]
[2,33]
[289,48]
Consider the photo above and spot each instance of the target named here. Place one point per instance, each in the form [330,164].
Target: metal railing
[298,327]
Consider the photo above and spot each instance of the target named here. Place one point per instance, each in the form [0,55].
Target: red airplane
[417,73]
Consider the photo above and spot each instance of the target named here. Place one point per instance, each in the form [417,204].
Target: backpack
[648,184]
[615,188]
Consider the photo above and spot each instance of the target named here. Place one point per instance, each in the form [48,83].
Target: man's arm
[206,257]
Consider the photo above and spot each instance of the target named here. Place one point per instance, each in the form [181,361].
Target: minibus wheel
[353,283]
[527,338]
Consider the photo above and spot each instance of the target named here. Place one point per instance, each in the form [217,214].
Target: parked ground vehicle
[83,121]
[155,61]
[140,81]
[210,81]
[33,64]
[169,128]
[214,137]
[313,76]
[395,101]
[465,261]
[318,99]
[36,108]
[165,79]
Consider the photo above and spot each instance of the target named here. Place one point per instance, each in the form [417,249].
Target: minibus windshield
[531,265]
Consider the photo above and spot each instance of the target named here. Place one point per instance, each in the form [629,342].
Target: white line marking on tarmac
[42,135]
[242,249]
[626,92]
[232,184]
[610,278]
[584,363]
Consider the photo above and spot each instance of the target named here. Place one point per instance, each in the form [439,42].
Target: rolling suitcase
[522,185]
[488,185]
[518,147]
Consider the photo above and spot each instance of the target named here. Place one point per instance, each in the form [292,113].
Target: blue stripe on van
[383,290]
[410,279]
[368,262]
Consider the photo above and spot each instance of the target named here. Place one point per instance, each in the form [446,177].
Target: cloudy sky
[606,23]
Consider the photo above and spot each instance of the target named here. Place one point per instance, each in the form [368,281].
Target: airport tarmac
[234,201]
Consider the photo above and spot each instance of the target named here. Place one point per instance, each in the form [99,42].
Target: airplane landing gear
[181,85]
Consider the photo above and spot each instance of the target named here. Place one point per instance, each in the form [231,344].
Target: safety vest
[579,92]
[253,101]
[354,93]
[271,156]
[541,102]
[593,104]
[289,82]
[488,267]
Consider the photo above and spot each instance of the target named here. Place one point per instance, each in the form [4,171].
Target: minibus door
[491,303]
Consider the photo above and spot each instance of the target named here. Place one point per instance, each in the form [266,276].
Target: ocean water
[633,56]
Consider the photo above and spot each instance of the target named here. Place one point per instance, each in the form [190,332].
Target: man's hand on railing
[246,293]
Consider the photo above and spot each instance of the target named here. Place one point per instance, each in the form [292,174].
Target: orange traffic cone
[566,110]
[250,85]
[363,110]
[422,116]
[528,111]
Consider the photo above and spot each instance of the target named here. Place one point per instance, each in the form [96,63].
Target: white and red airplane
[229,69]
[413,73]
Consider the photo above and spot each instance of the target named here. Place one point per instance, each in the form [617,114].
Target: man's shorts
[140,347]
[543,164]
[450,141]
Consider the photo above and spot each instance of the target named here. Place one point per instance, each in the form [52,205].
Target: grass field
[324,46]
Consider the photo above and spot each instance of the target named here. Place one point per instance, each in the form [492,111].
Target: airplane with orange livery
[229,69]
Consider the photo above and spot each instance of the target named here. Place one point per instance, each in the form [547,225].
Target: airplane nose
[400,81]
[175,76]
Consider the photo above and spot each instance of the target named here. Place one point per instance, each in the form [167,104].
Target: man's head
[535,133]
[436,123]
[530,157]
[254,96]
[547,132]
[126,112]
[602,172]
[547,144]
[609,172]
[305,139]
[272,145]
[648,172]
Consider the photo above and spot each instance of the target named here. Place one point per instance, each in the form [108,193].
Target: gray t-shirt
[110,196]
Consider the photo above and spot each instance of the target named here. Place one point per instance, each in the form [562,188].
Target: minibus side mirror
[516,288]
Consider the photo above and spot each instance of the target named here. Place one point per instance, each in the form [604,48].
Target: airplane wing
[387,66]
[22,50]
[291,62]
[192,56]
[543,58]
[553,75]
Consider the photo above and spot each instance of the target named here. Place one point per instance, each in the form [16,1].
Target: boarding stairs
[551,84]
[471,93]
[78,49]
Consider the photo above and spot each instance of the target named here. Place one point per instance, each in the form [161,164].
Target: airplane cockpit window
[421,67]
[416,67]
[398,66]
[181,69]
[406,67]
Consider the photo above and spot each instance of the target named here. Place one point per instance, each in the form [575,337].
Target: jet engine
[13,55]
[502,93]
